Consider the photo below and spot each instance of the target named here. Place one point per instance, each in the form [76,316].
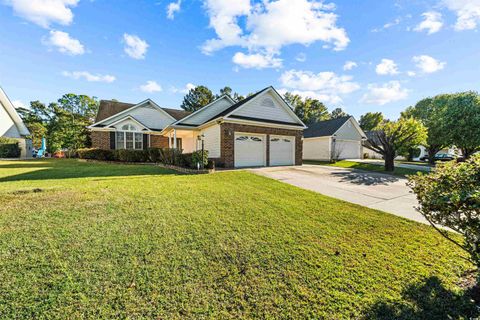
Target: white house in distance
[339,138]
[12,126]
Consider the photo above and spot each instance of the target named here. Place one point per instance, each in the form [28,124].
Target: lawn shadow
[68,169]
[427,300]
[366,178]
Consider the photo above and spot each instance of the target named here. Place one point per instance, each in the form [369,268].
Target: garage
[282,150]
[347,149]
[250,150]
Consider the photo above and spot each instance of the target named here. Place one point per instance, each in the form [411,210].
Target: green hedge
[9,148]
[157,155]
[96,154]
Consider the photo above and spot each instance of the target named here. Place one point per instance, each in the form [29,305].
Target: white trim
[129,117]
[282,103]
[125,139]
[205,107]
[314,138]
[262,124]
[130,109]
[12,112]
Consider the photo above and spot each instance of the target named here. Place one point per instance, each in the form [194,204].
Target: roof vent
[267,102]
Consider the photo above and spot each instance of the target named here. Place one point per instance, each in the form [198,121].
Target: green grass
[88,240]
[402,172]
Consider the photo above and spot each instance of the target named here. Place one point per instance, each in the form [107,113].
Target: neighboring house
[12,126]
[339,138]
[261,130]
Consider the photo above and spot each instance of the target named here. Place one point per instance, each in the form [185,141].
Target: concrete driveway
[373,190]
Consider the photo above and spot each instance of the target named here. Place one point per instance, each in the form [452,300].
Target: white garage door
[282,150]
[250,150]
[346,149]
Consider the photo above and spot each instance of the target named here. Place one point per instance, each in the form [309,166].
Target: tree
[63,123]
[197,98]
[462,121]
[392,136]
[450,196]
[229,92]
[308,110]
[338,113]
[431,112]
[370,120]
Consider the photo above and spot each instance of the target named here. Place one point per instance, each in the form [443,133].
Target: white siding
[349,132]
[317,148]
[206,114]
[148,115]
[7,126]
[211,141]
[257,109]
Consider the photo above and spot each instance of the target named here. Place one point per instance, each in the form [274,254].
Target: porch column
[170,140]
[175,138]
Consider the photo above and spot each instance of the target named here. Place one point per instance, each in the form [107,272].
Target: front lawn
[84,240]
[402,172]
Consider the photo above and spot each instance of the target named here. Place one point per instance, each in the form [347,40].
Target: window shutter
[112,140]
[145,141]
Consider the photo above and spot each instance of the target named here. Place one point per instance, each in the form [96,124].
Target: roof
[325,128]
[109,108]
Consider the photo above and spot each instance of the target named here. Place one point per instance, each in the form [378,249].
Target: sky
[362,56]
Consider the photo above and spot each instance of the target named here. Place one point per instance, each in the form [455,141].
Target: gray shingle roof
[324,128]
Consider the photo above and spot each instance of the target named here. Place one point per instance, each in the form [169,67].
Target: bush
[9,148]
[170,156]
[154,154]
[197,158]
[131,155]
[450,196]
[96,154]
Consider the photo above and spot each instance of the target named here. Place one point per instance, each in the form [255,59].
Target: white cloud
[64,43]
[349,65]
[151,87]
[135,47]
[432,22]
[185,90]
[325,86]
[88,76]
[428,64]
[269,25]
[411,73]
[256,61]
[19,104]
[467,11]
[44,12]
[301,57]
[387,67]
[172,8]
[388,25]
[382,94]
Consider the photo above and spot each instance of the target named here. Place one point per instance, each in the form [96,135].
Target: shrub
[197,158]
[450,196]
[131,155]
[170,156]
[154,154]
[9,148]
[96,154]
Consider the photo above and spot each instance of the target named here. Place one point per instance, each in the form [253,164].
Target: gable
[11,125]
[349,131]
[208,112]
[267,106]
[147,114]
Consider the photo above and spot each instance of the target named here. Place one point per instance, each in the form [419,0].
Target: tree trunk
[467,152]
[389,162]
[431,155]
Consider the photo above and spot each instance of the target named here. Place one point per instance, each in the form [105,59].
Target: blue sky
[359,55]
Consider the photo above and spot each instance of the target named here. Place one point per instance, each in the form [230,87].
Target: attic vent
[267,102]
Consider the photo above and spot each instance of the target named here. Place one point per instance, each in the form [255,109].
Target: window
[242,138]
[129,127]
[129,140]
[256,139]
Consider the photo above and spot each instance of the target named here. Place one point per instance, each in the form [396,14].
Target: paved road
[374,190]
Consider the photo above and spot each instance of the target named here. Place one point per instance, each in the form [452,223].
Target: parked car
[440,157]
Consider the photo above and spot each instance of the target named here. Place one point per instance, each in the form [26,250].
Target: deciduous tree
[370,120]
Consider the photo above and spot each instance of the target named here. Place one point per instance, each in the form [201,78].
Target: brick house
[261,130]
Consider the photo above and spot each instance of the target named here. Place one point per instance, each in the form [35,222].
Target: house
[261,130]
[12,126]
[339,138]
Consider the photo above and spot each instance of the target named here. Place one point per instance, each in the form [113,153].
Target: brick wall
[158,141]
[100,139]
[227,138]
